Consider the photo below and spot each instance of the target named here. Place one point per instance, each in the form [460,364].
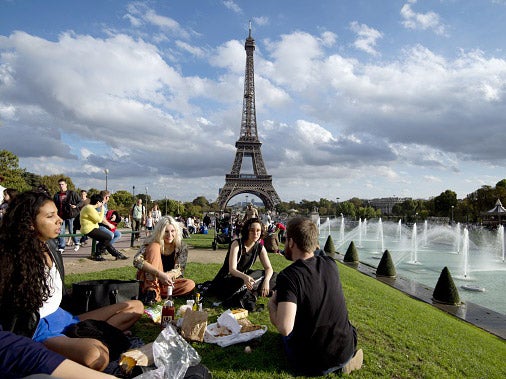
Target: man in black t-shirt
[308,308]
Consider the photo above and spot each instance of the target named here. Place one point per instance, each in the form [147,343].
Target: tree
[123,198]
[51,182]
[201,201]
[13,175]
[348,209]
[501,183]
[444,202]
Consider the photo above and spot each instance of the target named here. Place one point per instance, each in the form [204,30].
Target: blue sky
[353,98]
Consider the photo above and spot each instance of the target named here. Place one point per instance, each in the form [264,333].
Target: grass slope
[401,337]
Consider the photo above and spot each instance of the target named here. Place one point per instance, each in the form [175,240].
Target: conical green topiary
[446,292]
[329,247]
[386,266]
[351,254]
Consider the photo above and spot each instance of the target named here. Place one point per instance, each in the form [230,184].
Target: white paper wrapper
[229,321]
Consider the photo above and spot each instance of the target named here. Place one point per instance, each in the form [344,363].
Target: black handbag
[93,294]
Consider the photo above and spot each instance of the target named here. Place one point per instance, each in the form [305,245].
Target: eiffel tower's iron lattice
[248,145]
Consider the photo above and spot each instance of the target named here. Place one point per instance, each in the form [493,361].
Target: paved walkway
[484,318]
[79,262]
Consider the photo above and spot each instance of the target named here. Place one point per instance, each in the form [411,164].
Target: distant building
[385,204]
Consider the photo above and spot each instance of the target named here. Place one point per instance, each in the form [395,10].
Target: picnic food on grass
[239,313]
[246,325]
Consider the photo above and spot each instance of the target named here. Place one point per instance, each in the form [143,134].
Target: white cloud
[232,5]
[328,39]
[262,21]
[367,37]
[424,21]
[140,13]
[193,50]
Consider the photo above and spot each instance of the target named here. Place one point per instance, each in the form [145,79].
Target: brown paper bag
[194,325]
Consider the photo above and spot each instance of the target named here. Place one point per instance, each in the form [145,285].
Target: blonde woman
[162,261]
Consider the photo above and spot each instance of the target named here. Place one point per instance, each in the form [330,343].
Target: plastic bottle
[168,310]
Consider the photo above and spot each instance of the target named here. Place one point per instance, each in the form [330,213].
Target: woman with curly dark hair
[31,284]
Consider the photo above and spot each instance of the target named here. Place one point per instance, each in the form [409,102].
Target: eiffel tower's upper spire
[249,122]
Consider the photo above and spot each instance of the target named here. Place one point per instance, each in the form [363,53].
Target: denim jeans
[114,235]
[67,224]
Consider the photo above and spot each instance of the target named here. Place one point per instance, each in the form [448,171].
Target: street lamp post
[452,214]
[106,172]
[133,192]
[165,205]
[246,199]
[147,202]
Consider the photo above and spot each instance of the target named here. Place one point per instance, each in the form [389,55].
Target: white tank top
[56,288]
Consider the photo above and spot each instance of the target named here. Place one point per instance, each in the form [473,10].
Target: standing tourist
[68,204]
[309,310]
[251,212]
[84,201]
[149,223]
[9,195]
[157,213]
[138,217]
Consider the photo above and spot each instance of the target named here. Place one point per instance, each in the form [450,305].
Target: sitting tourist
[236,279]
[271,241]
[31,284]
[161,262]
[20,356]
[309,310]
[90,219]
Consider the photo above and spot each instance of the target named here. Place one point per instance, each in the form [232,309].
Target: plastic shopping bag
[172,355]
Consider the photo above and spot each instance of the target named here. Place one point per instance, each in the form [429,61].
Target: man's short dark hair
[303,232]
[95,198]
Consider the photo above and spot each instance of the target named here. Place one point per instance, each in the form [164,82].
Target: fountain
[500,240]
[475,256]
[380,236]
[341,230]
[414,246]
[359,232]
[425,228]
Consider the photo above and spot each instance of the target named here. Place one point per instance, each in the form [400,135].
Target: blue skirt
[53,325]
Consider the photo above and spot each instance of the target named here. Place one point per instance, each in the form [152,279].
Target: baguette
[240,313]
[142,356]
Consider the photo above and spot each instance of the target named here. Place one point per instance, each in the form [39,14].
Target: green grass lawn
[401,337]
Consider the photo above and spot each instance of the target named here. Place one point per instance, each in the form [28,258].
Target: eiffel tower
[248,145]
